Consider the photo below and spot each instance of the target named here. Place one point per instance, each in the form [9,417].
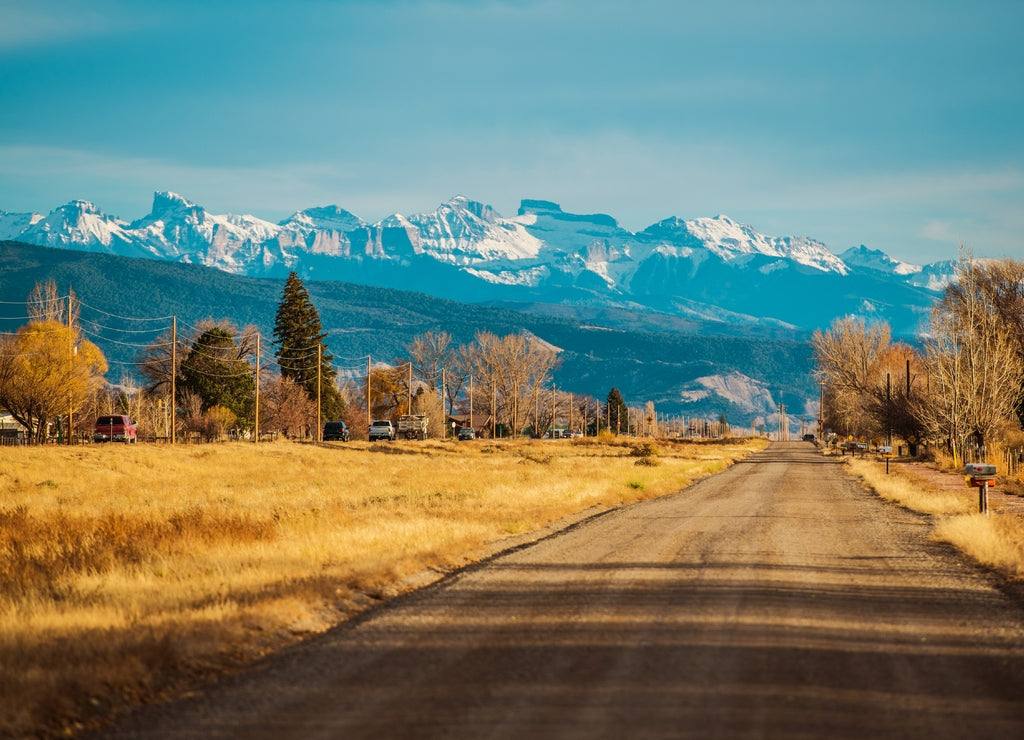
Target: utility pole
[319,363]
[888,406]
[174,375]
[536,410]
[552,409]
[256,416]
[368,419]
[71,368]
[821,411]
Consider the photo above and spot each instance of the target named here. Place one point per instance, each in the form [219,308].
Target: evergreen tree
[298,334]
[217,369]
[616,412]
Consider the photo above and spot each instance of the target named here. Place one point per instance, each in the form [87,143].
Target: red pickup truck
[115,428]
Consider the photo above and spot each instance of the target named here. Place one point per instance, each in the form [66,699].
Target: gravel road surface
[777,599]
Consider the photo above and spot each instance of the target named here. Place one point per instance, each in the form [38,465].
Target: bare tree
[429,403]
[1002,284]
[848,356]
[154,362]
[481,359]
[974,365]
[45,304]
[512,370]
[900,378]
[430,353]
[456,377]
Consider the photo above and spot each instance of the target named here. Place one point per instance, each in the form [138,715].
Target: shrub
[645,450]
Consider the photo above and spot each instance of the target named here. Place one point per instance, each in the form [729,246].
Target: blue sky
[897,124]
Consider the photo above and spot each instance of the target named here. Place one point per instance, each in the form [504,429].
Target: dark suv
[115,428]
[336,431]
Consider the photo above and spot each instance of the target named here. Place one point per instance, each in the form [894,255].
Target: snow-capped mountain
[877,260]
[714,270]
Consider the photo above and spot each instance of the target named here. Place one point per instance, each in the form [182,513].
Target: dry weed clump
[128,571]
[646,453]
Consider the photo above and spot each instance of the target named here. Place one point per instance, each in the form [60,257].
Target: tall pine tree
[298,334]
[616,412]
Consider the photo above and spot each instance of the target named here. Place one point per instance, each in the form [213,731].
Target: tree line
[961,387]
[211,379]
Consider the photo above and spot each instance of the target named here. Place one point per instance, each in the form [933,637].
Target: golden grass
[996,541]
[911,491]
[128,571]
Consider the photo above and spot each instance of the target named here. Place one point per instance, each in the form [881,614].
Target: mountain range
[697,315]
[712,275]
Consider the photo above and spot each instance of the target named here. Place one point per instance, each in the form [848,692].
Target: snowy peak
[326,218]
[168,202]
[877,261]
[730,240]
[466,232]
[12,225]
[78,223]
[462,205]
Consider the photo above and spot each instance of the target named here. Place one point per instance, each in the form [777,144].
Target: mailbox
[980,474]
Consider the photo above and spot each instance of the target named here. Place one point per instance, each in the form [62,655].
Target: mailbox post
[982,475]
[886,452]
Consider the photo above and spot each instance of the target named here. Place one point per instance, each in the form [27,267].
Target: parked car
[336,431]
[412,426]
[115,428]
[809,438]
[381,429]
[466,433]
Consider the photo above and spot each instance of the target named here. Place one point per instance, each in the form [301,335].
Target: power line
[117,316]
[123,331]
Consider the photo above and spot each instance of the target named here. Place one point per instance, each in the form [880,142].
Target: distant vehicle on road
[809,438]
[466,433]
[336,431]
[381,429]
[412,426]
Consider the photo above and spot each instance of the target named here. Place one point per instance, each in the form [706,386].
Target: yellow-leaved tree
[47,370]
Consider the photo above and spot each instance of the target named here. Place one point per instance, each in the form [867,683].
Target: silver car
[381,429]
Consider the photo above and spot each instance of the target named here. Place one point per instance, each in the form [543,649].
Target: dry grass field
[127,573]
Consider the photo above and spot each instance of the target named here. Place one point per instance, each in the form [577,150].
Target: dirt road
[777,599]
